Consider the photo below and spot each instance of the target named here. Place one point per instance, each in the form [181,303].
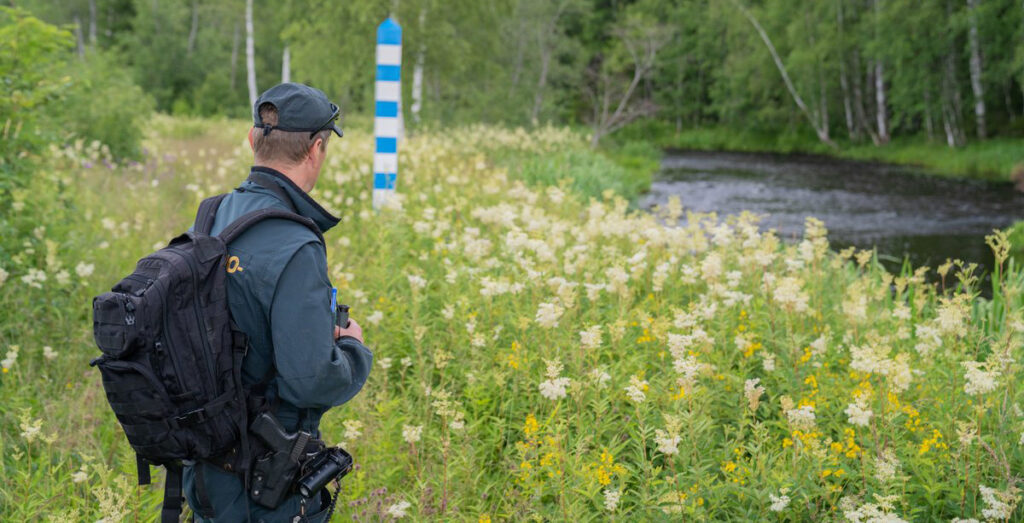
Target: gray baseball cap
[299,108]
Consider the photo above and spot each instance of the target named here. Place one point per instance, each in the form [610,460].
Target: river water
[901,210]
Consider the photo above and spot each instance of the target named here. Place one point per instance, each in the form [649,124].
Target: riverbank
[995,159]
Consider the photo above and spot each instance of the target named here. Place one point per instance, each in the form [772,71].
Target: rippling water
[901,210]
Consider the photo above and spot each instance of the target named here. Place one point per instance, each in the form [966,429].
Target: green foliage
[104,104]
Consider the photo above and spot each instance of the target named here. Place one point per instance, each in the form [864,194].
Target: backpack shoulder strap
[247,220]
[206,213]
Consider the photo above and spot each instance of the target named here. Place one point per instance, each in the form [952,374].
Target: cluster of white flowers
[600,377]
[399,510]
[84,270]
[752,391]
[780,502]
[416,282]
[412,433]
[637,389]
[353,429]
[591,338]
[3,276]
[789,293]
[49,353]
[611,499]
[858,412]
[801,418]
[998,505]
[548,315]
[980,377]
[668,443]
[553,388]
[886,466]
[879,512]
[34,278]
[10,358]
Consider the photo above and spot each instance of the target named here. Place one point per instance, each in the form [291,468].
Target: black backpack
[172,356]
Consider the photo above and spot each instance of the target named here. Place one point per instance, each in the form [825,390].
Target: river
[901,210]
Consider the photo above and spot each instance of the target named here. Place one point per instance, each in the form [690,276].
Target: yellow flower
[530,426]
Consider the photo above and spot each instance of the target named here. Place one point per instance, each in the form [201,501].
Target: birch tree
[820,128]
[286,65]
[976,85]
[250,59]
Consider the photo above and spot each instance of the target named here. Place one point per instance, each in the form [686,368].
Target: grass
[541,354]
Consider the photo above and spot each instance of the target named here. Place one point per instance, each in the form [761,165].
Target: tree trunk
[881,114]
[928,125]
[286,65]
[92,24]
[822,133]
[79,42]
[538,98]
[858,100]
[193,30]
[844,83]
[976,85]
[417,73]
[234,57]
[250,54]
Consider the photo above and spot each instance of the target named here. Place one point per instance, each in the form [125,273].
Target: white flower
[406,362]
[49,353]
[416,282]
[591,338]
[601,378]
[858,413]
[554,389]
[611,499]
[999,505]
[411,433]
[79,476]
[667,443]
[10,357]
[63,277]
[34,278]
[768,361]
[548,315]
[979,381]
[84,270]
[3,275]
[353,429]
[636,389]
[399,510]
[801,418]
[375,317]
[448,312]
[779,503]
[385,363]
[753,393]
[886,466]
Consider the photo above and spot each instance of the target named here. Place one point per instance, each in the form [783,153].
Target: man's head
[291,126]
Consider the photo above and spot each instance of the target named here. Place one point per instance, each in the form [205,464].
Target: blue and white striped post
[386,118]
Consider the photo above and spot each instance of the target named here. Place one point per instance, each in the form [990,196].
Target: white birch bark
[976,85]
[234,57]
[250,58]
[193,30]
[92,23]
[286,65]
[881,113]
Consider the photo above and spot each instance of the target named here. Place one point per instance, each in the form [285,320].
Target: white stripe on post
[386,125]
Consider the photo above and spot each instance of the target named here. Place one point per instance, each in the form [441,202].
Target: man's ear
[251,144]
[315,148]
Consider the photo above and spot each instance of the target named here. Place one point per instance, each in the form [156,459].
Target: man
[279,295]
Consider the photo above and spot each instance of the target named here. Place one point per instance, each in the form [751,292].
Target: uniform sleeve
[312,370]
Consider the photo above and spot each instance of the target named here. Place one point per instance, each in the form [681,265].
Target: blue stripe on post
[384,180]
[386,109]
[389,32]
[387,145]
[389,73]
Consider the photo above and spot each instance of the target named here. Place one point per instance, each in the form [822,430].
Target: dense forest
[860,71]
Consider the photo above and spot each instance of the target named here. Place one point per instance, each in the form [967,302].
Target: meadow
[543,352]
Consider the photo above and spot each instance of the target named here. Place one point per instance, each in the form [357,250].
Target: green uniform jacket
[279,295]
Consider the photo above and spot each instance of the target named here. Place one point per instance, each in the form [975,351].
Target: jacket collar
[300,200]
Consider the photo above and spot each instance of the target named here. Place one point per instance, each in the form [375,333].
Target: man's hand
[353,330]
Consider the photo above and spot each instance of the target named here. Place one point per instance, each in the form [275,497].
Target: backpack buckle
[191,418]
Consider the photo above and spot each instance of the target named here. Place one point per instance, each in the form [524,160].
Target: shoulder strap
[247,220]
[206,213]
[263,181]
